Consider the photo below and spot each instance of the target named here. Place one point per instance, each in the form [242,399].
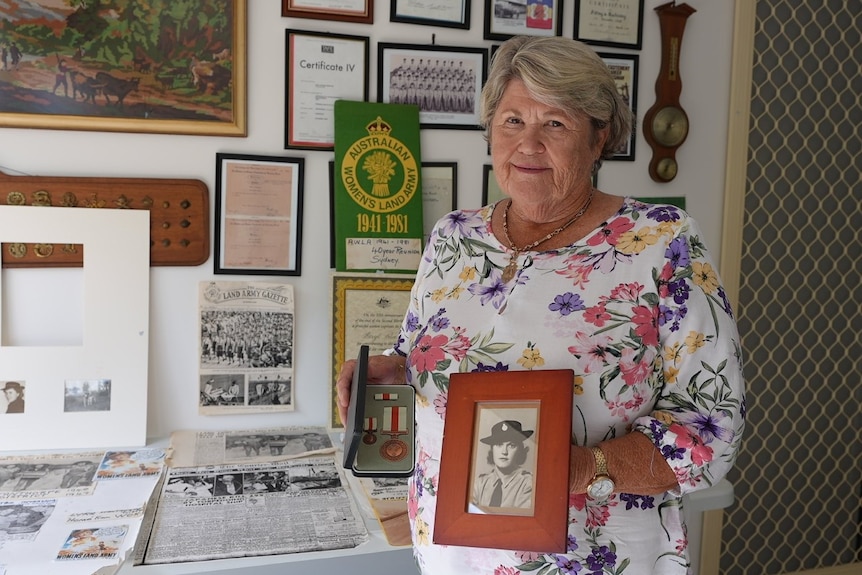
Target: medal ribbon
[394,420]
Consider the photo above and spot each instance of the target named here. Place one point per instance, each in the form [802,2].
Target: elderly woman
[561,275]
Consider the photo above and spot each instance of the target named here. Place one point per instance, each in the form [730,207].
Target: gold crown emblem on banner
[378,126]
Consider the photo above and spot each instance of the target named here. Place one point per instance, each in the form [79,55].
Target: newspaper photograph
[48,476]
[195,448]
[253,509]
[246,347]
[22,520]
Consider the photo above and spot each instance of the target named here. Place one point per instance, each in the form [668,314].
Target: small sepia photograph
[12,400]
[87,395]
[504,464]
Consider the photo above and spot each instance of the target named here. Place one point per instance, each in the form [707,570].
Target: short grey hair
[562,73]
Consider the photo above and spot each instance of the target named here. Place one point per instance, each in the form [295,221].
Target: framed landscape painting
[160,67]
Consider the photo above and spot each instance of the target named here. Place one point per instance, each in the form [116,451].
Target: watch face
[601,488]
[670,126]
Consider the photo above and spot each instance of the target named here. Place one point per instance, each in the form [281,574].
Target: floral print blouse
[637,310]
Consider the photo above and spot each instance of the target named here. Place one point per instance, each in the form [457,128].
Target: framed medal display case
[379,440]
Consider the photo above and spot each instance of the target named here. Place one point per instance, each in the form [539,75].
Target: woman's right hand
[382,370]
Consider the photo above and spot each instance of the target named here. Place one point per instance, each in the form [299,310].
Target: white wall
[173,392]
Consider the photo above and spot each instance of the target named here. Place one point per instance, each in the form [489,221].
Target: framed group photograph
[528,416]
[126,71]
[321,68]
[444,81]
[357,11]
[624,69]
[258,211]
[617,26]
[439,192]
[444,13]
[504,19]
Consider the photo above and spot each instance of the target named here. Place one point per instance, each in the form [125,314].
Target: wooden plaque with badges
[179,215]
[378,440]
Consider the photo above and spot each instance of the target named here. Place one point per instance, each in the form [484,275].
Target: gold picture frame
[130,76]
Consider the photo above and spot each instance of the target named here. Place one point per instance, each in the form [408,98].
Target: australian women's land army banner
[377,187]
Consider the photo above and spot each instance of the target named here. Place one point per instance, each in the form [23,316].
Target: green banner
[377,187]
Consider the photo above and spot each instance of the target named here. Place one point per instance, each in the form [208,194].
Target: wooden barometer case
[665,124]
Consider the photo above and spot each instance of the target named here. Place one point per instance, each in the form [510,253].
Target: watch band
[601,461]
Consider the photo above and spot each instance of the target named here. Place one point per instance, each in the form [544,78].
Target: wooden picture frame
[258,213]
[356,11]
[439,192]
[123,78]
[450,103]
[531,18]
[618,27]
[624,69]
[444,13]
[535,405]
[321,68]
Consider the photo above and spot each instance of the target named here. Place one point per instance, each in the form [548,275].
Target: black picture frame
[258,210]
[624,69]
[623,28]
[309,95]
[437,201]
[406,12]
[456,104]
[506,19]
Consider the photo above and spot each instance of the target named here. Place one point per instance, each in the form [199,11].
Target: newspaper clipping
[254,509]
[246,347]
[196,448]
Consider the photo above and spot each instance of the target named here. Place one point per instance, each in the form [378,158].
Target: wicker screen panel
[798,480]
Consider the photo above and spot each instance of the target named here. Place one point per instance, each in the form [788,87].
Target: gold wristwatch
[601,487]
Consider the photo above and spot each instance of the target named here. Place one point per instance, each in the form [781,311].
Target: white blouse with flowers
[636,309]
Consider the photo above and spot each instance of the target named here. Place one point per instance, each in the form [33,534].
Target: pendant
[510,270]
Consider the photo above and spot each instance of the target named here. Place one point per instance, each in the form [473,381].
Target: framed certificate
[367,309]
[439,192]
[445,13]
[259,214]
[444,81]
[359,11]
[532,412]
[321,68]
[617,26]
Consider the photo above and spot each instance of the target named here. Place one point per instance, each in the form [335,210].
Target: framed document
[531,412]
[258,214]
[617,26]
[439,192]
[504,19]
[445,13]
[444,81]
[321,68]
[624,69]
[367,309]
[359,11]
[491,191]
